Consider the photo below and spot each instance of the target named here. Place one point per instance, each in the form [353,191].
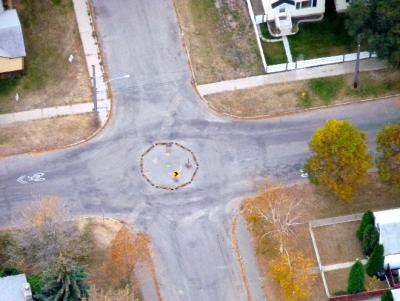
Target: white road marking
[303,174]
[36,177]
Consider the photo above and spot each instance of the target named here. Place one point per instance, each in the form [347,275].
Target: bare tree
[278,208]
[45,231]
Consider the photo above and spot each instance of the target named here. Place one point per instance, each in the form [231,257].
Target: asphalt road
[190,228]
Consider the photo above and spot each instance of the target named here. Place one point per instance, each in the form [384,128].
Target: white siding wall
[341,5]
[301,12]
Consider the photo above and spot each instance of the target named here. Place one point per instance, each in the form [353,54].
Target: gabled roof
[388,223]
[279,2]
[12,288]
[11,38]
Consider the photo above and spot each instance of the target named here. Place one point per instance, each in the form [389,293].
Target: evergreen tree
[387,296]
[356,278]
[370,239]
[378,22]
[376,261]
[367,219]
[65,282]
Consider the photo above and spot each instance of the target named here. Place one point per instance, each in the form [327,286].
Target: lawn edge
[213,110]
[299,111]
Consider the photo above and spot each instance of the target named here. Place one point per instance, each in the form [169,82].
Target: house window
[305,4]
[348,1]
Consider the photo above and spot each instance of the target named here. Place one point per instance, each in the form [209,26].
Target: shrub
[356,278]
[370,239]
[387,296]
[34,282]
[376,261]
[367,219]
[8,271]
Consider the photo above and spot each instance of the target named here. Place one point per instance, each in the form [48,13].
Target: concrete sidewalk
[293,75]
[50,112]
[92,55]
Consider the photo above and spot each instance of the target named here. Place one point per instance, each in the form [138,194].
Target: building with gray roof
[12,47]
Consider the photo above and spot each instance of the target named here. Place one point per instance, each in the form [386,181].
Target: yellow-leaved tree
[340,158]
[293,273]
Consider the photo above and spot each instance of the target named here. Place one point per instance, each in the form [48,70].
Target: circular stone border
[171,188]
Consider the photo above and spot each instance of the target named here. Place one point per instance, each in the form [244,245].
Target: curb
[288,113]
[216,112]
[239,257]
[90,11]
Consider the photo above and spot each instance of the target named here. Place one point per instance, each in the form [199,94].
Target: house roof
[11,38]
[11,288]
[388,224]
[279,2]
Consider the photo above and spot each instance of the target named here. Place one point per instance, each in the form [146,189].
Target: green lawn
[274,52]
[324,38]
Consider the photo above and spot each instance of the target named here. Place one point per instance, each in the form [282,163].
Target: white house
[281,14]
[388,224]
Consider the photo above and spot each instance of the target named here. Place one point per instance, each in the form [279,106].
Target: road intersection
[189,227]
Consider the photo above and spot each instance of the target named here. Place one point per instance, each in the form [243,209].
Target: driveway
[190,227]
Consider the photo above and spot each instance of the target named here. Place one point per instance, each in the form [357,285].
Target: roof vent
[27,292]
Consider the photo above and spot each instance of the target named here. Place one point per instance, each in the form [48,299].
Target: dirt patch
[104,231]
[337,281]
[51,35]
[294,96]
[45,134]
[220,39]
[338,243]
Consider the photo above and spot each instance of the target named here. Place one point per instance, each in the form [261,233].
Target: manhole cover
[168,165]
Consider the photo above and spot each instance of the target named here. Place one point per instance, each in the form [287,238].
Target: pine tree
[65,282]
[356,278]
[387,296]
[367,219]
[370,239]
[376,261]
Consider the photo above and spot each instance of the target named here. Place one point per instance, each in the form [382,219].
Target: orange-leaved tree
[126,250]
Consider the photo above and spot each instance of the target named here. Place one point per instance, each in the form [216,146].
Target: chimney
[27,292]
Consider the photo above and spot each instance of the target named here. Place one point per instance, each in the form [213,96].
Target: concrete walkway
[50,112]
[293,75]
[287,49]
[339,266]
[93,56]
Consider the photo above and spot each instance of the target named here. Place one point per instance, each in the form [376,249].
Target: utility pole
[357,71]
[94,89]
